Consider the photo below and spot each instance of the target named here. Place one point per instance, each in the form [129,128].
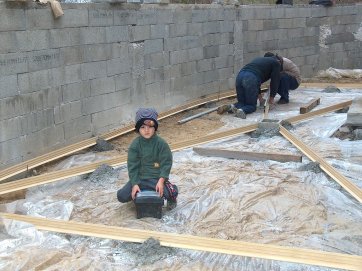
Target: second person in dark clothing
[248,83]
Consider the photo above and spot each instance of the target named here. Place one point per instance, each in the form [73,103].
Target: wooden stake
[309,106]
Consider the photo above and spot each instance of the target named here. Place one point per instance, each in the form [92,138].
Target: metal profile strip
[116,161]
[56,154]
[232,247]
[354,190]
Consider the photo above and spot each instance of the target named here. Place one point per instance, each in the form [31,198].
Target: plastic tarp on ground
[288,204]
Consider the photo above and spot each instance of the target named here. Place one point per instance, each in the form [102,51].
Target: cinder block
[164,16]
[159,31]
[96,52]
[108,118]
[34,81]
[117,34]
[183,16]
[12,19]
[125,17]
[268,124]
[120,50]
[153,75]
[44,59]
[72,18]
[64,37]
[72,55]
[77,126]
[9,129]
[153,46]
[91,35]
[36,121]
[146,17]
[199,15]
[178,30]
[13,63]
[104,102]
[140,33]
[210,76]
[211,51]
[225,73]
[195,54]
[354,115]
[93,70]
[74,91]
[8,86]
[188,68]
[67,112]
[211,27]
[118,66]
[100,17]
[156,60]
[102,85]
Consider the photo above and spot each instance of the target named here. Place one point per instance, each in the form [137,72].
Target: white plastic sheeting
[264,202]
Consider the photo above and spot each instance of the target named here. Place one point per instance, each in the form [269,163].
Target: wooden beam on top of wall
[67,150]
[116,161]
[349,186]
[309,106]
[232,247]
[254,156]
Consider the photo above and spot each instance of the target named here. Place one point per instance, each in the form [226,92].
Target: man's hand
[271,100]
[135,190]
[159,186]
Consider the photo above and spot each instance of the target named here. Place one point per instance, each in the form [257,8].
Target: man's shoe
[224,108]
[282,101]
[240,114]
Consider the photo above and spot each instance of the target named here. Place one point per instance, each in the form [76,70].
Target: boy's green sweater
[149,159]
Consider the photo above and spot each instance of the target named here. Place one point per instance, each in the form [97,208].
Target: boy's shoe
[224,108]
[240,114]
[282,101]
[171,204]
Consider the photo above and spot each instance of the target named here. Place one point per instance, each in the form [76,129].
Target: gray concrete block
[225,73]
[102,85]
[224,62]
[123,81]
[67,112]
[44,59]
[66,74]
[117,34]
[8,86]
[100,17]
[12,151]
[205,65]
[64,37]
[72,55]
[269,24]
[188,68]
[156,60]
[153,46]
[118,66]
[195,54]
[104,102]
[36,121]
[125,17]
[183,16]
[12,19]
[9,129]
[34,81]
[13,63]
[93,70]
[77,126]
[194,29]
[199,15]
[354,115]
[91,35]
[96,52]
[153,75]
[211,27]
[164,16]
[154,93]
[108,118]
[139,33]
[210,76]
[159,31]
[178,30]
[229,13]
[120,50]
[226,50]
[75,91]
[210,51]
[146,17]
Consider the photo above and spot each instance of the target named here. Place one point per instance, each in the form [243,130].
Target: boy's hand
[159,186]
[135,190]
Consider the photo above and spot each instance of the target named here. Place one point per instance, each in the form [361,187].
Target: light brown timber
[56,154]
[350,187]
[116,161]
[309,106]
[233,247]
[254,156]
[318,112]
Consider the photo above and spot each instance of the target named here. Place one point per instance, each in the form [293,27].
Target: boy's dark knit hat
[144,114]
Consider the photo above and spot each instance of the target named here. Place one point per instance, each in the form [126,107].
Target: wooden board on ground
[232,247]
[309,106]
[254,156]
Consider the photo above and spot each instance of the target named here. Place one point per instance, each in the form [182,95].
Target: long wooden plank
[56,154]
[254,156]
[309,106]
[233,247]
[116,161]
[325,110]
[350,187]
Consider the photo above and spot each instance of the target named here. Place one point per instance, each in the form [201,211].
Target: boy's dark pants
[124,194]
[286,83]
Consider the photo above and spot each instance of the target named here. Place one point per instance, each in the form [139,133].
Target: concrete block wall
[66,79]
